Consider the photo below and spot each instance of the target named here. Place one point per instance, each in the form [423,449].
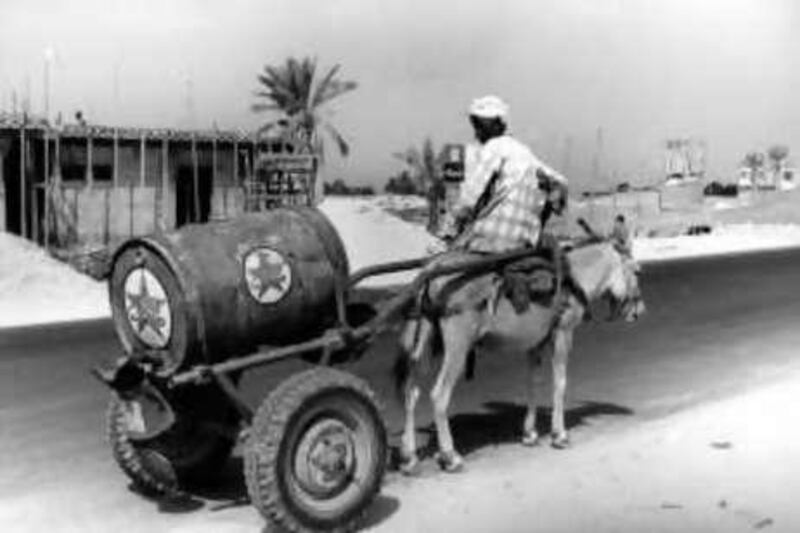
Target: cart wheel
[317,452]
[188,456]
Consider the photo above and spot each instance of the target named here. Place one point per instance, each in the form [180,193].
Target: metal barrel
[207,293]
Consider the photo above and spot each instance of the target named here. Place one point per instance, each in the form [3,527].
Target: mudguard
[149,413]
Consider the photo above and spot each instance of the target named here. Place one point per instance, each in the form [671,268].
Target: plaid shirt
[506,216]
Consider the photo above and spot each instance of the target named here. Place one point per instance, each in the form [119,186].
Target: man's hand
[557,197]
[449,229]
[436,247]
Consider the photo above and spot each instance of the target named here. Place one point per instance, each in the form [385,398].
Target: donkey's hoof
[409,466]
[530,439]
[450,462]
[560,442]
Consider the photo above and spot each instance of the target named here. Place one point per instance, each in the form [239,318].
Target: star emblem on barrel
[147,308]
[267,274]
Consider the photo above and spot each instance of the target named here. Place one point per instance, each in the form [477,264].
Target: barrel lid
[147,307]
[267,274]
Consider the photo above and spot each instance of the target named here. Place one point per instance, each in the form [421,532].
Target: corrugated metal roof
[17,121]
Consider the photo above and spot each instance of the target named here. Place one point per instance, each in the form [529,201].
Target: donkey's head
[623,290]
[614,276]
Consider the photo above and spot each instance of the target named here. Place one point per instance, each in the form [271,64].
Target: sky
[586,80]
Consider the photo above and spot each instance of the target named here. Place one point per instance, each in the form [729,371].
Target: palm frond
[335,89]
[323,85]
[277,90]
[341,143]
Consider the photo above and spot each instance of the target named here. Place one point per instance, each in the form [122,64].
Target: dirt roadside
[731,465]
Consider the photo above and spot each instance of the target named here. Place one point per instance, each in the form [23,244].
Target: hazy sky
[727,71]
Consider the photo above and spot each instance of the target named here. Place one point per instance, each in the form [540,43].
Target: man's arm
[554,185]
[472,190]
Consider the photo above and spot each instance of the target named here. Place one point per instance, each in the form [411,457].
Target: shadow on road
[229,491]
[502,424]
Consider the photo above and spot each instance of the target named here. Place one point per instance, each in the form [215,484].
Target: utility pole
[26,102]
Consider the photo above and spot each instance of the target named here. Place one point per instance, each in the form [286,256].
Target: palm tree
[777,154]
[425,166]
[296,93]
[754,161]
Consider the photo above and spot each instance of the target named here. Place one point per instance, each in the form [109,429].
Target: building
[90,184]
[684,160]
[782,178]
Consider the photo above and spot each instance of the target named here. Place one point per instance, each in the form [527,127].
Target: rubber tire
[265,457]
[199,470]
[128,458]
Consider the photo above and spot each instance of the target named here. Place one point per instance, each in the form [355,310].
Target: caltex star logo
[267,274]
[147,308]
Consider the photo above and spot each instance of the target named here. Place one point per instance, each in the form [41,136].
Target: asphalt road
[714,327]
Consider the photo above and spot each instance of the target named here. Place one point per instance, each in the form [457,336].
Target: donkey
[599,269]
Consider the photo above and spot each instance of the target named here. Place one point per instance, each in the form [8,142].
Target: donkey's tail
[416,342]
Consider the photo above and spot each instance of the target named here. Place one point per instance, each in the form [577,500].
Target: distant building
[788,179]
[83,183]
[684,160]
[783,179]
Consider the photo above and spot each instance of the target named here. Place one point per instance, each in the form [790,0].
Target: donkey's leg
[458,336]
[534,357]
[408,451]
[562,344]
[411,392]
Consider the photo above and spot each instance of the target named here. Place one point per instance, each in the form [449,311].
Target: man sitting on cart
[501,205]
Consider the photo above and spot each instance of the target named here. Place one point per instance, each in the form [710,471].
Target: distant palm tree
[425,166]
[754,161]
[297,94]
[777,154]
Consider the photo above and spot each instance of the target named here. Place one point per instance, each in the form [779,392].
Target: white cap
[488,107]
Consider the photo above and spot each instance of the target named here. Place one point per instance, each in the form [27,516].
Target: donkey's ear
[590,232]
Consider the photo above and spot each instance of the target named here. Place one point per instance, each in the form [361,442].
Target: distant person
[621,235]
[499,207]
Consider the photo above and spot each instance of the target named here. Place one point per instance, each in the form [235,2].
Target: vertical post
[257,194]
[114,193]
[142,159]
[236,165]
[164,180]
[131,183]
[213,167]
[195,181]
[131,190]
[89,160]
[156,202]
[106,215]
[225,190]
[47,190]
[23,208]
[115,163]
[58,196]
[235,162]
[34,194]
[57,163]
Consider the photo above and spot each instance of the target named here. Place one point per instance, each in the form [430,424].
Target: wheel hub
[325,458]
